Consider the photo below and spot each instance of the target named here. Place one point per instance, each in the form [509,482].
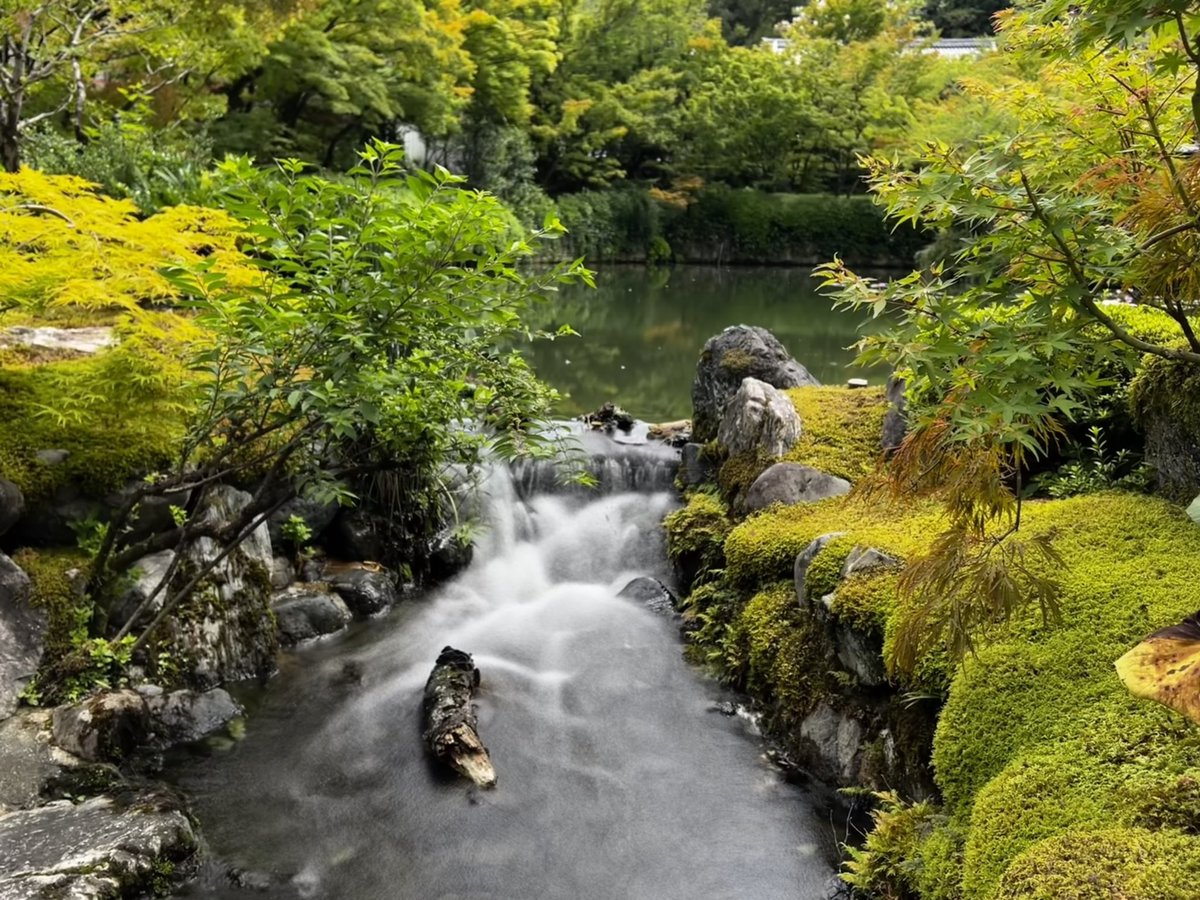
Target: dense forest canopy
[527,98]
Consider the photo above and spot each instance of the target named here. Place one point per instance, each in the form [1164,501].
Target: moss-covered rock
[110,437]
[842,429]
[1105,864]
[696,536]
[1165,397]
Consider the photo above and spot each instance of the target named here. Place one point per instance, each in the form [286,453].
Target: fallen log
[451,729]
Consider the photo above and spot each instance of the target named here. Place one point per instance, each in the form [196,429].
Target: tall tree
[55,53]
[350,69]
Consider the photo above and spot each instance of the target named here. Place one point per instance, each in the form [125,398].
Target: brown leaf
[1165,667]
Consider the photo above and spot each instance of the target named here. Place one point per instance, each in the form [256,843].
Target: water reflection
[641,331]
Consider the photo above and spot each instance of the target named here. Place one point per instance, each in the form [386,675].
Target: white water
[616,777]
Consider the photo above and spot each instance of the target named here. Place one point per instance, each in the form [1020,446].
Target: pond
[641,330]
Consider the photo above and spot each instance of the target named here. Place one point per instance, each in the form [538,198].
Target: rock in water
[738,352]
[451,728]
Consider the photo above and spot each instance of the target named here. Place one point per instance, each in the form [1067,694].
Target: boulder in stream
[307,611]
[366,588]
[100,849]
[650,593]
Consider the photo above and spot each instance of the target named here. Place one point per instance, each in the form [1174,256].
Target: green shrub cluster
[728,225]
[746,226]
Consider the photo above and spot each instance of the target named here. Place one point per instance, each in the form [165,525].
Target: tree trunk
[450,724]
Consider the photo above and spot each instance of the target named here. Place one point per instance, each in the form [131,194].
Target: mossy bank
[1049,779]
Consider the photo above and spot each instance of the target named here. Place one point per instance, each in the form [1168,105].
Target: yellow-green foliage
[118,414]
[883,866]
[842,429]
[62,244]
[764,546]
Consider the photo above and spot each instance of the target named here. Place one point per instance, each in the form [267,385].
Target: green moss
[1039,738]
[115,420]
[696,534]
[764,547]
[774,647]
[1105,864]
[54,591]
[824,573]
[842,428]
[738,362]
[737,473]
[865,601]
[939,864]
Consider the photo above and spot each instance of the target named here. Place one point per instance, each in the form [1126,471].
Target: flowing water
[619,776]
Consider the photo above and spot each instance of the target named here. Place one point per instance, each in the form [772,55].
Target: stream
[619,774]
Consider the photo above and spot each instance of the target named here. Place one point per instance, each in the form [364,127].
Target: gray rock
[650,593]
[790,483]
[27,759]
[306,611]
[354,535]
[738,352]
[317,516]
[864,560]
[12,505]
[365,591]
[805,558]
[51,457]
[759,420]
[105,727]
[85,341]
[224,631]
[895,420]
[283,573]
[449,554]
[695,467]
[182,717]
[837,741]
[22,635]
[143,578]
[96,850]
[860,653]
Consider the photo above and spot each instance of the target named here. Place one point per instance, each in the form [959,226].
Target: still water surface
[641,331]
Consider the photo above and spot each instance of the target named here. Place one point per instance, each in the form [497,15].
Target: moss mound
[117,414]
[842,429]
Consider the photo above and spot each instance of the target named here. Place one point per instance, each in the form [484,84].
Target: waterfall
[618,779]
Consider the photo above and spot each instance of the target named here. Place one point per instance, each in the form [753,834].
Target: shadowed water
[617,779]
